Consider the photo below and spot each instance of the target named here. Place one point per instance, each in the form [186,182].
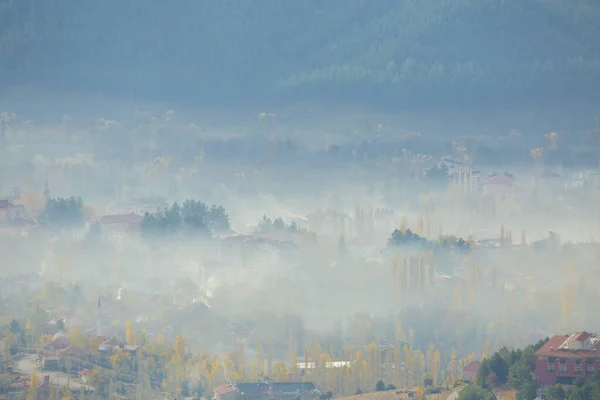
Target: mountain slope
[389,50]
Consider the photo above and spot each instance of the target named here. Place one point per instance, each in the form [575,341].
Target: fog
[313,241]
[355,196]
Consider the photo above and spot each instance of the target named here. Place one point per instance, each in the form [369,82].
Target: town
[138,295]
[299,200]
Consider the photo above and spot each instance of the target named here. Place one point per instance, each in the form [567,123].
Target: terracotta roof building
[565,358]
[226,392]
[470,371]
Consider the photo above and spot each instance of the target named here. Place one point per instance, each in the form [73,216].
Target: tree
[500,367]
[121,361]
[193,219]
[472,392]
[342,248]
[32,392]
[33,203]
[15,328]
[483,373]
[180,346]
[556,392]
[77,338]
[60,324]
[519,374]
[527,391]
[380,386]
[63,213]
[129,333]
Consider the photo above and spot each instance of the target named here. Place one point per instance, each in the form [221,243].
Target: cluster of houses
[58,352]
[264,391]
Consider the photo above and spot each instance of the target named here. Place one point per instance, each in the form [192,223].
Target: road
[453,396]
[27,366]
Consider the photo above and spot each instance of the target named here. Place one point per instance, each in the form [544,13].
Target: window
[563,361]
[562,369]
[578,371]
[551,368]
[551,360]
[578,361]
[591,368]
[591,361]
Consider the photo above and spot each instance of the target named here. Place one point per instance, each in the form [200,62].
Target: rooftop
[506,180]
[473,366]
[222,389]
[120,219]
[577,345]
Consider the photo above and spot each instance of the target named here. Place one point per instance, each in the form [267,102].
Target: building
[293,389]
[226,392]
[499,185]
[254,391]
[565,358]
[120,225]
[50,363]
[470,371]
[44,390]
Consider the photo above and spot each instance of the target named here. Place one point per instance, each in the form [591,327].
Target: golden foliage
[537,153]
[33,203]
[129,333]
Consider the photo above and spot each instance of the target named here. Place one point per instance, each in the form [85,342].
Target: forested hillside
[395,51]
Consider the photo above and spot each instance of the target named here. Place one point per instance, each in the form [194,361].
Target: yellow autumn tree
[77,338]
[436,364]
[121,360]
[399,333]
[180,346]
[32,392]
[129,333]
[33,203]
[458,297]
[280,372]
[408,366]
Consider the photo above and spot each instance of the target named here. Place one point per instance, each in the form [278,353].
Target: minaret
[46,188]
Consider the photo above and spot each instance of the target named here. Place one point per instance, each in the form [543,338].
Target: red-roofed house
[44,390]
[470,371]
[501,185]
[565,358]
[119,225]
[226,392]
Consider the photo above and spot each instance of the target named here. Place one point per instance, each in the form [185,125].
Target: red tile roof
[222,389]
[552,347]
[121,219]
[582,336]
[473,366]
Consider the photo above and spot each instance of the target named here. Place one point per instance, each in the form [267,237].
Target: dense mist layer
[264,246]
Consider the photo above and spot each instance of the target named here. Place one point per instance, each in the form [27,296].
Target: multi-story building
[564,358]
